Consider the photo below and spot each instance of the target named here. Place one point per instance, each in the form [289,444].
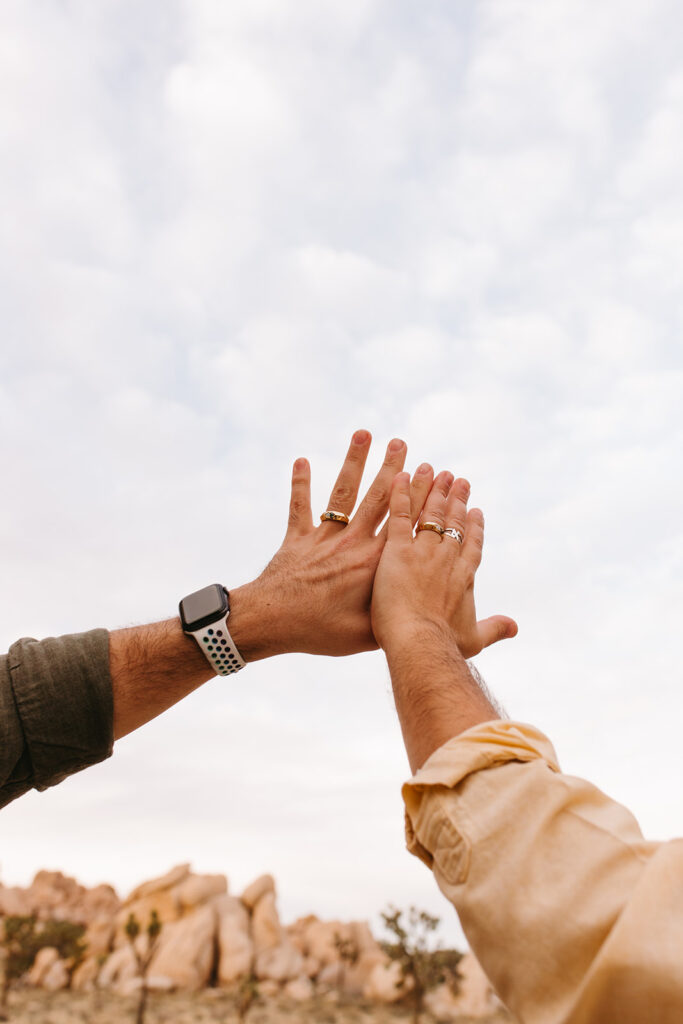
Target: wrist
[253,622]
[413,632]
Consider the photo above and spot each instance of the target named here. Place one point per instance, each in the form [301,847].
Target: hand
[314,596]
[427,579]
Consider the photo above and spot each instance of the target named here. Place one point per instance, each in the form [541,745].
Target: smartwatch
[204,615]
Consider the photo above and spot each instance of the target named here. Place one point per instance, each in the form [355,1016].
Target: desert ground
[211,1006]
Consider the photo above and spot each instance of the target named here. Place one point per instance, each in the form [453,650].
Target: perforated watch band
[219,647]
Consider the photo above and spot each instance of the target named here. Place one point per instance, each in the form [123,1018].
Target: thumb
[495,628]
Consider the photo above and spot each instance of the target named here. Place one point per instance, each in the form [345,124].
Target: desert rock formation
[210,937]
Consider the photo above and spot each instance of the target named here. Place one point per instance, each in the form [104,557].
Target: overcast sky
[231,233]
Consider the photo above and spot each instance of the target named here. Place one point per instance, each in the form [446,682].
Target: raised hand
[314,596]
[427,580]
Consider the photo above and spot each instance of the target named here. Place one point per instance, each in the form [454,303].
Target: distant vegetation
[422,968]
[143,958]
[21,938]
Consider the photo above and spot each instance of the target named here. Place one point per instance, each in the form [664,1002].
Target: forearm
[154,666]
[436,695]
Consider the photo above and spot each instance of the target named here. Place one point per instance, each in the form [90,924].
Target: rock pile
[210,937]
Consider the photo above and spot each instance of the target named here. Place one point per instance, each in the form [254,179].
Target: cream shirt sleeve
[574,917]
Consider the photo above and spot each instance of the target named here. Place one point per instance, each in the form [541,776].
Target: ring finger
[456,511]
[345,491]
[434,510]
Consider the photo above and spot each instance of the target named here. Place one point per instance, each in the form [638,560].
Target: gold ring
[334,517]
[455,534]
[431,526]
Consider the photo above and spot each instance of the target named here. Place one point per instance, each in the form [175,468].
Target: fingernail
[424,468]
[467,488]
[395,445]
[360,437]
[448,479]
[300,464]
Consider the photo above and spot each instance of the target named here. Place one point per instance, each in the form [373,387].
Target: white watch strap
[219,648]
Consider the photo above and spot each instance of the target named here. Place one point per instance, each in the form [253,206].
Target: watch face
[203,607]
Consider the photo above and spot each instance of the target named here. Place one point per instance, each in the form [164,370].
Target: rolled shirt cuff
[481,747]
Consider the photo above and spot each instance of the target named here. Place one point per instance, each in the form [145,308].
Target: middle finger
[434,510]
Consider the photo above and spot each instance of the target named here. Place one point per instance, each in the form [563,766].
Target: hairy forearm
[436,695]
[154,666]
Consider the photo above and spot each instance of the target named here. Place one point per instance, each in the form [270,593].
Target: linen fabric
[574,917]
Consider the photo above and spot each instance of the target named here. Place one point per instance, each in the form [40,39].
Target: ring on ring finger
[454,533]
[334,517]
[436,527]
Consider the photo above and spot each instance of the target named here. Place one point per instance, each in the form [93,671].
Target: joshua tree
[143,960]
[421,968]
[348,956]
[247,994]
[21,937]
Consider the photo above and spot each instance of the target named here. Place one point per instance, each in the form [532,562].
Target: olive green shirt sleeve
[56,710]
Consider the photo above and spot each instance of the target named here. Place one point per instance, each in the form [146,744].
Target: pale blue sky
[234,233]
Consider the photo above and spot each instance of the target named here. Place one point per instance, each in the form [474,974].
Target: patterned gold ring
[431,526]
[334,517]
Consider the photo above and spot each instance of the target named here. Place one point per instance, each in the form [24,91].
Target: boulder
[320,937]
[311,966]
[299,989]
[269,989]
[258,888]
[385,983]
[14,902]
[45,959]
[266,929]
[197,889]
[57,977]
[84,978]
[280,963]
[186,949]
[235,947]
[165,904]
[155,885]
[99,936]
[119,967]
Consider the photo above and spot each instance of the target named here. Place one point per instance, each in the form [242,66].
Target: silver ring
[455,534]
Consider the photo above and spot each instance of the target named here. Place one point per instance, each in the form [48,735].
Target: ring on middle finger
[436,527]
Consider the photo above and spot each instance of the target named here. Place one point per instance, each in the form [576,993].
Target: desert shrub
[422,967]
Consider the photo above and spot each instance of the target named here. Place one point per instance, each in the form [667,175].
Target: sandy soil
[208,1007]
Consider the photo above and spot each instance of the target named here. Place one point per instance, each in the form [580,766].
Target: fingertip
[476,515]
[512,629]
[300,465]
[424,469]
[362,437]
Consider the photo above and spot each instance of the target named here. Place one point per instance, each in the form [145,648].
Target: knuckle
[343,492]
[377,495]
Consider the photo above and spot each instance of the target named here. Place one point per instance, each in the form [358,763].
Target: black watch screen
[203,607]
